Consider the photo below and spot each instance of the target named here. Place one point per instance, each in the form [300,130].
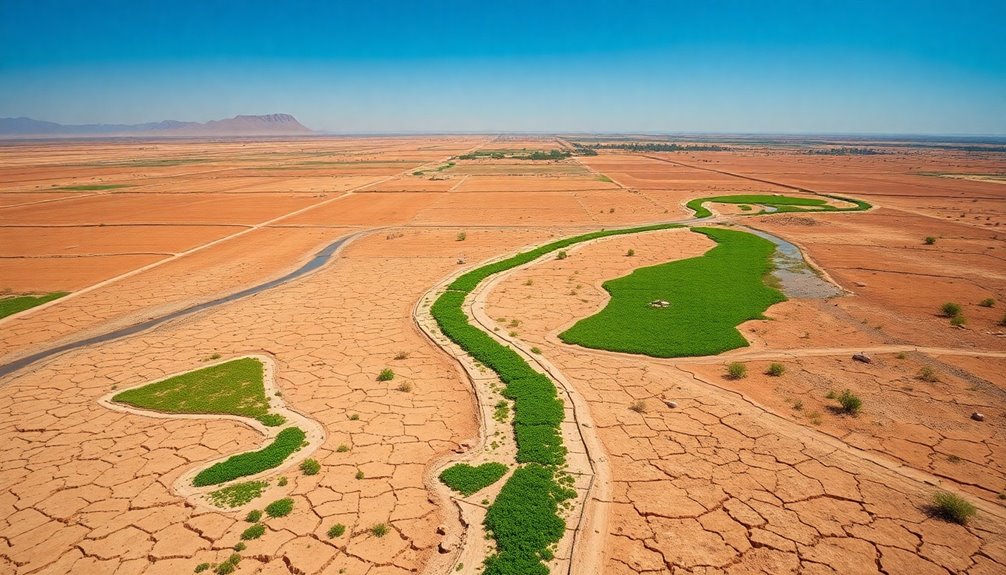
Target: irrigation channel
[319,259]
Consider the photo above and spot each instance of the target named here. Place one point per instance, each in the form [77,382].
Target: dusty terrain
[756,475]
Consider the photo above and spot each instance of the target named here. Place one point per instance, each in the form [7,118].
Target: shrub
[359,474]
[468,480]
[310,466]
[240,546]
[958,320]
[202,567]
[404,387]
[950,309]
[402,355]
[225,568]
[282,482]
[279,508]
[336,530]
[737,370]
[271,419]
[630,253]
[928,374]
[776,370]
[354,417]
[253,516]
[535,350]
[379,530]
[850,402]
[930,240]
[639,406]
[253,532]
[386,375]
[343,448]
[462,236]
[987,302]
[561,255]
[953,508]
[244,464]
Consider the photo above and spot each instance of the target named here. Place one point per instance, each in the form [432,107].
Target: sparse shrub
[343,448]
[253,516]
[379,530]
[987,302]
[737,370]
[202,567]
[529,282]
[535,350]
[639,406]
[240,546]
[253,532]
[215,356]
[404,387]
[354,417]
[798,405]
[282,482]
[930,240]
[386,375]
[462,236]
[402,355]
[279,508]
[928,374]
[830,395]
[336,530]
[901,355]
[310,466]
[953,508]
[224,568]
[950,309]
[561,255]
[776,369]
[271,419]
[359,474]
[814,417]
[958,320]
[850,403]
[630,253]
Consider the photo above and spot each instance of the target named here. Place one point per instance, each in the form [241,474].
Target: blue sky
[702,65]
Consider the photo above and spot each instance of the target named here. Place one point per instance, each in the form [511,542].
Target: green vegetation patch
[232,388]
[467,479]
[524,521]
[93,187]
[780,204]
[279,508]
[244,464]
[239,494]
[11,305]
[709,296]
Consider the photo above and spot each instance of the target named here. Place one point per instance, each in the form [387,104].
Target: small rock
[978,416]
[441,530]
[860,284]
[862,357]
[671,404]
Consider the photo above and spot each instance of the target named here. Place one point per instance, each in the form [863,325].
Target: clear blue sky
[702,65]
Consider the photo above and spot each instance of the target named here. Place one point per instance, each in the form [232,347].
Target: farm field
[412,446]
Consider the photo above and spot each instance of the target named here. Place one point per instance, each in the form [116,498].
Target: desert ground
[673,465]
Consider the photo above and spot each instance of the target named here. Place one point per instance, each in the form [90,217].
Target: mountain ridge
[240,125]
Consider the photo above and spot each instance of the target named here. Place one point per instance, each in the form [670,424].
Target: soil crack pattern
[197,492]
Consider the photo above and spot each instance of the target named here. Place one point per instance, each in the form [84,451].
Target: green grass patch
[710,295]
[253,532]
[239,494]
[310,467]
[244,464]
[11,305]
[93,187]
[467,479]
[231,388]
[279,508]
[953,508]
[781,204]
[524,521]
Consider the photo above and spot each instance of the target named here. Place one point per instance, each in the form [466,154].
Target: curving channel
[319,259]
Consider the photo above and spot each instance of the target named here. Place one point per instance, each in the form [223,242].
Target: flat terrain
[677,468]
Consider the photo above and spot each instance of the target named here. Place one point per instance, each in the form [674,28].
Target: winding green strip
[244,464]
[782,204]
[709,297]
[17,304]
[524,518]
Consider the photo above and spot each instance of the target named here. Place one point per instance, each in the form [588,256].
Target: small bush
[253,532]
[336,530]
[535,350]
[343,448]
[462,236]
[561,255]
[310,466]
[253,516]
[282,482]
[776,369]
[279,508]
[271,419]
[737,370]
[379,530]
[901,355]
[386,375]
[987,302]
[240,546]
[928,374]
[639,406]
[215,356]
[958,320]
[930,240]
[359,474]
[202,567]
[850,402]
[404,387]
[950,309]
[354,417]
[798,405]
[630,253]
[402,355]
[225,568]
[953,508]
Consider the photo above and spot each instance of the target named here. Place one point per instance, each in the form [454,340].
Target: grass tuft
[386,375]
[379,530]
[336,530]
[737,370]
[253,532]
[953,508]
[279,508]
[776,370]
[850,403]
[238,495]
[310,466]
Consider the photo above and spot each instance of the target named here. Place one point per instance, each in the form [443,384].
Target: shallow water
[797,278]
[314,263]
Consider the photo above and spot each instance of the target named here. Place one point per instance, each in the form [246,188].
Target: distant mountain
[266,125]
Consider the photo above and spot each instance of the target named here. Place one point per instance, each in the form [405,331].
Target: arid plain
[674,466]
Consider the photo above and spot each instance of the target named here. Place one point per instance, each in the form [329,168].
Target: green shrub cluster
[239,494]
[953,508]
[781,204]
[279,508]
[245,464]
[253,532]
[710,296]
[524,521]
[310,466]
[467,479]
